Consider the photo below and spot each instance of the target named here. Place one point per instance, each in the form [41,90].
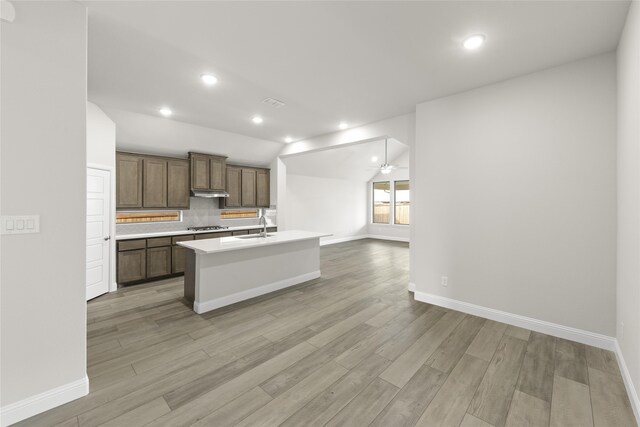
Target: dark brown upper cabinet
[263,188]
[151,182]
[233,187]
[128,181]
[154,183]
[247,187]
[178,184]
[208,172]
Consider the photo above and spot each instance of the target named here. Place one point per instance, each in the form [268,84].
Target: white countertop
[224,244]
[182,232]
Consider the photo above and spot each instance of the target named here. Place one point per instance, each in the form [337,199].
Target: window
[401,201]
[381,202]
[154,216]
[238,213]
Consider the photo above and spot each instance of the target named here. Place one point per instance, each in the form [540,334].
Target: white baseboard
[382,237]
[362,236]
[204,306]
[566,332]
[341,239]
[34,405]
[628,382]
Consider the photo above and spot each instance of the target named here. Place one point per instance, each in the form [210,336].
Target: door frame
[113,286]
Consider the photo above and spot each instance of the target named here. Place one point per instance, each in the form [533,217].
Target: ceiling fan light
[385,170]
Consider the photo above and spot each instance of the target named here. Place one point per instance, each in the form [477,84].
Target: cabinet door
[178,258]
[158,261]
[132,266]
[155,183]
[128,181]
[217,167]
[233,187]
[199,172]
[248,188]
[262,188]
[178,184]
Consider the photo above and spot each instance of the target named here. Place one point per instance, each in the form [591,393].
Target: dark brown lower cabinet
[158,261]
[239,232]
[178,258]
[132,265]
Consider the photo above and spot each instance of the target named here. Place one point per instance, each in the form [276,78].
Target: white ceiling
[351,162]
[328,61]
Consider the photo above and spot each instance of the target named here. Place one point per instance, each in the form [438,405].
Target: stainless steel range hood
[209,194]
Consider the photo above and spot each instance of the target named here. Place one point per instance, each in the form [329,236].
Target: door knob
[107,238]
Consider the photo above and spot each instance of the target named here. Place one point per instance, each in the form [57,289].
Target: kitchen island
[223,271]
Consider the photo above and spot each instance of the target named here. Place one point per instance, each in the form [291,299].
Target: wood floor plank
[571,361]
[449,353]
[407,364]
[408,405]
[202,406]
[450,404]
[611,406]
[328,335]
[486,342]
[236,410]
[471,421]
[327,404]
[366,406]
[285,405]
[536,373]
[492,399]
[141,415]
[516,332]
[528,411]
[603,360]
[571,404]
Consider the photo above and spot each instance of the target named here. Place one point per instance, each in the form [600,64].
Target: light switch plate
[20,224]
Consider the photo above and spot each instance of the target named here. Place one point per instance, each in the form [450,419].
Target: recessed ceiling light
[257,120]
[343,125]
[208,79]
[473,42]
[374,159]
[288,139]
[165,111]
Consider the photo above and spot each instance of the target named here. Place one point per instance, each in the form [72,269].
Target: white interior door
[98,229]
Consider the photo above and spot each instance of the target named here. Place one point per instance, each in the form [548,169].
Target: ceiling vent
[275,103]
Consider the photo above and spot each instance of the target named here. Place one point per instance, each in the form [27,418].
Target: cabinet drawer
[255,231]
[239,232]
[272,229]
[213,235]
[177,239]
[130,245]
[158,241]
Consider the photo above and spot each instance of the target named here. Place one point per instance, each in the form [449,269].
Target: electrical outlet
[444,281]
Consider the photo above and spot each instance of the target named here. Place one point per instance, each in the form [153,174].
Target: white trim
[204,306]
[112,228]
[566,332]
[411,287]
[34,405]
[394,238]
[342,239]
[628,382]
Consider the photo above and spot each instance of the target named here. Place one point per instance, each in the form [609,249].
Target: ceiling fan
[386,168]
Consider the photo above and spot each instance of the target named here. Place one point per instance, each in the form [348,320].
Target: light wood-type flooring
[351,348]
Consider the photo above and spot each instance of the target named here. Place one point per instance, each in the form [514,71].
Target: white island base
[223,271]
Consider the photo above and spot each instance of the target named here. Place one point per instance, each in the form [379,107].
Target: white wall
[159,135]
[43,171]
[335,206]
[389,231]
[514,196]
[628,289]
[101,154]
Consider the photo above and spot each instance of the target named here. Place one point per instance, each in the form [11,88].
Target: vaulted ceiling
[355,61]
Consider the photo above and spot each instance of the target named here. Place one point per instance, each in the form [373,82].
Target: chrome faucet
[263,222]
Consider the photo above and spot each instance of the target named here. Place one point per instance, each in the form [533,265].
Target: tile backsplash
[202,212]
